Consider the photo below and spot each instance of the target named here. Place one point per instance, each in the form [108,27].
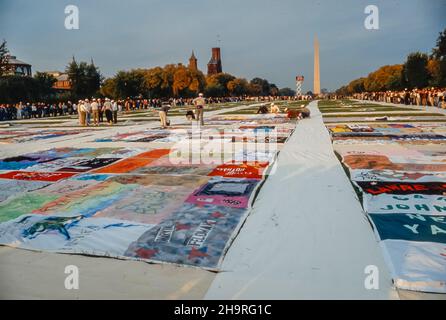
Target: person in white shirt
[108,111]
[115,111]
[274,109]
[82,113]
[199,104]
[95,112]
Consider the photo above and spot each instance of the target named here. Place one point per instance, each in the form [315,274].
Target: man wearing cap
[199,104]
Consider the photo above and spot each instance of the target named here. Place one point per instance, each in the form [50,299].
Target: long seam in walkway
[307,236]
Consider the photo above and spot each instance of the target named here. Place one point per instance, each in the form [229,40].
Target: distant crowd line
[432,97]
[34,110]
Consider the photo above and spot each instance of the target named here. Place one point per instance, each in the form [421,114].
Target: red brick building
[62,82]
[214,65]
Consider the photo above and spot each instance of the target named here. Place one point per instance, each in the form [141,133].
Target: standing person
[82,113]
[19,110]
[101,111]
[95,111]
[127,105]
[115,111]
[199,104]
[74,108]
[163,114]
[88,110]
[108,111]
[34,110]
[64,108]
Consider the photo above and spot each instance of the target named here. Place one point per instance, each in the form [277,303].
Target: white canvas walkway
[307,236]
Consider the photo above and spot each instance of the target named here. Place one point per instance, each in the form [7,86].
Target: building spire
[193,62]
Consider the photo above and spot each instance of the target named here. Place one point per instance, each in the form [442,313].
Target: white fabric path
[307,236]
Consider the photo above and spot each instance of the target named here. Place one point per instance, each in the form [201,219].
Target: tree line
[172,80]
[420,70]
[177,80]
[14,88]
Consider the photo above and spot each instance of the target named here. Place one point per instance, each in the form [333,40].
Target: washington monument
[317,80]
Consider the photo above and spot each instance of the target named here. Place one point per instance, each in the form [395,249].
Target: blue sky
[272,39]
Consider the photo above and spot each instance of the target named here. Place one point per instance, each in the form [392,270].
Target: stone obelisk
[317,79]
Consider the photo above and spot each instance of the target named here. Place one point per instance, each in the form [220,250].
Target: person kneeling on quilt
[274,109]
[190,115]
[263,109]
[301,113]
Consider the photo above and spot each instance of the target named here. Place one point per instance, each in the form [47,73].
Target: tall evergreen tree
[85,78]
[4,59]
[415,69]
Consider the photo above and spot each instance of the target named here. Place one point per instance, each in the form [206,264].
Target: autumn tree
[198,82]
[217,84]
[435,74]
[238,87]
[108,88]
[356,86]
[187,82]
[418,71]
[173,80]
[177,80]
[385,78]
[153,81]
[439,55]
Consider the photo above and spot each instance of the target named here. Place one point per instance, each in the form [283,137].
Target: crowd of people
[32,110]
[35,110]
[432,97]
[93,112]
